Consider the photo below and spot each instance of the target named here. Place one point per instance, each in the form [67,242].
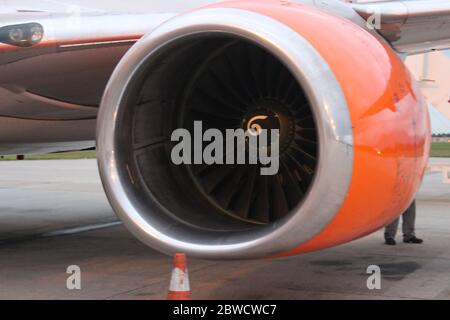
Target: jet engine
[354,131]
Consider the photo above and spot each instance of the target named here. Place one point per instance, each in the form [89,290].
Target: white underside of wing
[412,26]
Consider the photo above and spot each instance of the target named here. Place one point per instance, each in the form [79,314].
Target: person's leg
[390,231]
[409,225]
[409,221]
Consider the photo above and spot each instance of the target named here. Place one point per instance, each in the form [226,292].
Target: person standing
[408,227]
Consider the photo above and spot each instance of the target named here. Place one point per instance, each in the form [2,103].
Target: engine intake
[202,67]
[227,83]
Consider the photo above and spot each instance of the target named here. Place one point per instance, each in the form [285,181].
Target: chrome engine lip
[334,130]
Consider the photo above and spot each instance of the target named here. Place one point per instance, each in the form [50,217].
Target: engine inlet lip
[329,109]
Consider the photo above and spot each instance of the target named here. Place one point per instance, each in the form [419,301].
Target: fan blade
[229,188]
[215,176]
[280,206]
[244,197]
[260,209]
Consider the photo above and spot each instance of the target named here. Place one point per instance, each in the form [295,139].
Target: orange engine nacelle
[354,130]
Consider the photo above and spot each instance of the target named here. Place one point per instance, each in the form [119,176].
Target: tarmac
[54,214]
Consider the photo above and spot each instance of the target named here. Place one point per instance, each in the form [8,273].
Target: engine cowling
[354,131]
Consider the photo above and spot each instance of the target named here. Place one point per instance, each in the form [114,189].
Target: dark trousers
[408,224]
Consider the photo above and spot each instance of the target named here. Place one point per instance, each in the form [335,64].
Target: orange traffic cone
[179,283]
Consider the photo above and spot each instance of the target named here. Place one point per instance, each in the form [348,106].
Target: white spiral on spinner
[255,129]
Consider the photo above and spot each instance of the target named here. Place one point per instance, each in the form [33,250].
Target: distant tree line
[441,135]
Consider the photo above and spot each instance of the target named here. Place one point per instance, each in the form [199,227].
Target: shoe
[413,240]
[390,242]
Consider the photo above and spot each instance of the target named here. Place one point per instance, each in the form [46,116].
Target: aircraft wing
[410,26]
[413,26]
[54,67]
